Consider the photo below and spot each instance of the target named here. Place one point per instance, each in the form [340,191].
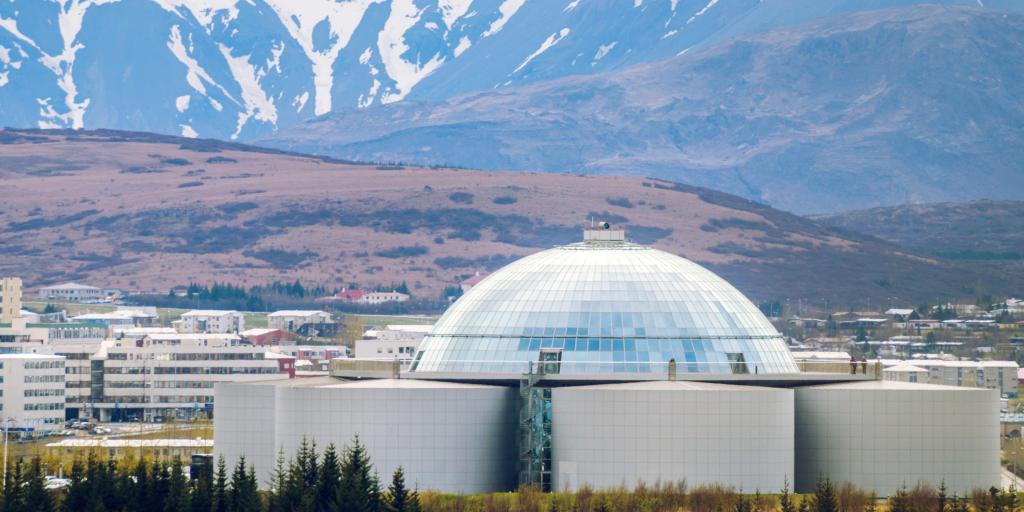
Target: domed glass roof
[609,306]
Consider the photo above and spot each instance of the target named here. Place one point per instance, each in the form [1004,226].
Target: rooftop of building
[132,443]
[70,286]
[298,312]
[210,312]
[27,355]
[895,385]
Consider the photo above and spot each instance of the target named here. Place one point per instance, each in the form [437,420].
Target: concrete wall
[447,437]
[879,435]
[622,434]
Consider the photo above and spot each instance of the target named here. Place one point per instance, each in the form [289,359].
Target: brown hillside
[148,212]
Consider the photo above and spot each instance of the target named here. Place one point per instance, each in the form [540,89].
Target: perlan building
[607,363]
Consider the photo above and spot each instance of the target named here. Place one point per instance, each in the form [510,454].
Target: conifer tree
[158,486]
[360,490]
[785,500]
[77,496]
[220,487]
[328,482]
[825,496]
[278,501]
[898,502]
[941,502]
[13,490]
[139,499]
[805,505]
[36,498]
[400,499]
[177,497]
[243,495]
[202,491]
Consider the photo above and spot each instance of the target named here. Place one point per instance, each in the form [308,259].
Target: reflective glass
[611,307]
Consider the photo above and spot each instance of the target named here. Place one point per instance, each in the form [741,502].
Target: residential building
[121,318]
[291,321]
[998,375]
[393,342]
[905,372]
[382,297]
[120,449]
[267,337]
[161,375]
[345,295]
[210,320]
[71,292]
[10,299]
[32,391]
[472,281]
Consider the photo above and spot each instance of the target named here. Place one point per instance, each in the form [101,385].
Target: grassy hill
[145,212]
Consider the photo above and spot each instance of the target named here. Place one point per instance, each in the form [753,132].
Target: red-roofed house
[473,280]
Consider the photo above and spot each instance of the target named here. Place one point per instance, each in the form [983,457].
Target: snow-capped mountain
[245,68]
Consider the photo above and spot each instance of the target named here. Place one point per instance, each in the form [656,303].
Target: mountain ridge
[859,110]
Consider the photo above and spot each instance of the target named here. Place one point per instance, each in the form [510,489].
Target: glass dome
[604,306]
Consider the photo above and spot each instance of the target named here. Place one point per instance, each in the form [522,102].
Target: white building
[32,391]
[291,320]
[396,341]
[121,318]
[998,375]
[382,297]
[71,292]
[10,299]
[171,374]
[211,320]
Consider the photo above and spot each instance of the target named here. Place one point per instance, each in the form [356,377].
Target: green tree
[328,482]
[77,496]
[898,502]
[277,499]
[825,496]
[37,498]
[244,494]
[202,491]
[400,499]
[941,501]
[177,497]
[360,490]
[220,487]
[13,489]
[785,500]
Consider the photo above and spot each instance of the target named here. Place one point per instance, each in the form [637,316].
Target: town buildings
[32,392]
[211,321]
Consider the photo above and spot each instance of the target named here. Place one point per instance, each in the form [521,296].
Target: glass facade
[611,307]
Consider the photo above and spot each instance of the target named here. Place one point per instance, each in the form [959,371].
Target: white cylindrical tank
[880,435]
[448,437]
[622,434]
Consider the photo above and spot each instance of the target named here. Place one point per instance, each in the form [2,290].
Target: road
[1009,479]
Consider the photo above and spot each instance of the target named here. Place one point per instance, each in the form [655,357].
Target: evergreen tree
[13,489]
[360,490]
[177,497]
[825,496]
[220,488]
[742,503]
[941,502]
[871,507]
[201,491]
[244,494]
[158,487]
[278,501]
[785,500]
[805,505]
[898,502]
[36,498]
[328,482]
[139,498]
[400,499]
[77,496]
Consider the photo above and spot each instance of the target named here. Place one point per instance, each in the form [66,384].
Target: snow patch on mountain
[257,105]
[301,18]
[392,46]
[507,9]
[702,12]
[552,40]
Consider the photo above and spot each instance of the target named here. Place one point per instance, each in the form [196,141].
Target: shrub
[461,197]
[504,200]
[402,252]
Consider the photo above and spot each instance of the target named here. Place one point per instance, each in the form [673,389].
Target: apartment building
[10,299]
[291,320]
[71,292]
[212,321]
[998,375]
[163,374]
[393,342]
[383,297]
[32,391]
